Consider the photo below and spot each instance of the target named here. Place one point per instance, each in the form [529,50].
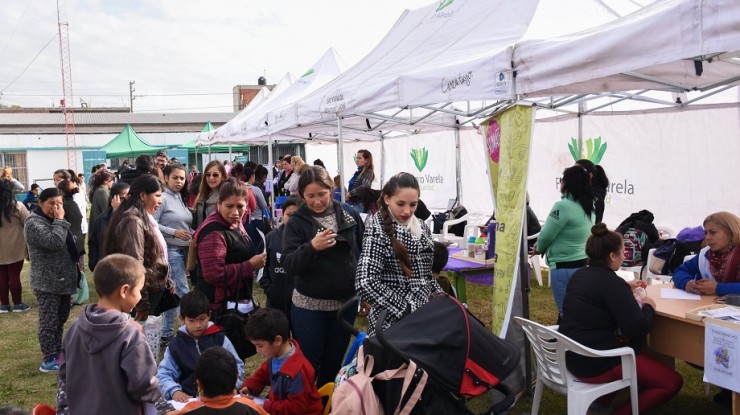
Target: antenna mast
[68,101]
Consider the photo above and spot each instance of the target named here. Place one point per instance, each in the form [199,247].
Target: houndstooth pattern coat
[380,279]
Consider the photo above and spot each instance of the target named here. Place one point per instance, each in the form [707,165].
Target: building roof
[108,122]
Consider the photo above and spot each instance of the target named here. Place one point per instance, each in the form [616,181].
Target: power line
[29,65]
[119,94]
[15,28]
[181,109]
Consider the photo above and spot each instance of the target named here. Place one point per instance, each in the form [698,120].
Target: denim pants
[559,278]
[323,340]
[177,256]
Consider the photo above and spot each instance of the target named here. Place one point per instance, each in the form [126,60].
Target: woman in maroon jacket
[227,258]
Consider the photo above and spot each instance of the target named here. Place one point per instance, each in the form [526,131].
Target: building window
[17,162]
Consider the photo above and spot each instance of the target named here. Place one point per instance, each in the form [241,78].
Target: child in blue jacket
[176,372]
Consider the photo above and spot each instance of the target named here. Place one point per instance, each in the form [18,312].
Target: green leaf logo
[420,156]
[594,150]
[443,4]
[309,72]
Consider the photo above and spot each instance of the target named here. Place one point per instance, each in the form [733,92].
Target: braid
[398,248]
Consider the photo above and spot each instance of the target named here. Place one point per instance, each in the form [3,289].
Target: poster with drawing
[721,353]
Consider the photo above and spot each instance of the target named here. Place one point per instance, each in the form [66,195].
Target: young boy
[438,263]
[111,368]
[215,375]
[290,376]
[176,372]
[32,197]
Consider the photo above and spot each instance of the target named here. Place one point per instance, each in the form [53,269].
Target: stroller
[461,357]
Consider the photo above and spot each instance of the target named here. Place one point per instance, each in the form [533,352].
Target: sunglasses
[213,174]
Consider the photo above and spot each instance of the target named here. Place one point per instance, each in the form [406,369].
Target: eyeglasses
[213,174]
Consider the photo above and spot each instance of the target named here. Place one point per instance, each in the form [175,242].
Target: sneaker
[5,308]
[19,308]
[49,366]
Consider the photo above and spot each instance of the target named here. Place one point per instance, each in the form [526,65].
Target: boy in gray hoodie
[111,369]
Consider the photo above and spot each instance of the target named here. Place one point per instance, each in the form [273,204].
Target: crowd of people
[159,230]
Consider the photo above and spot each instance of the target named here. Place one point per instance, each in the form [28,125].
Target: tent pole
[458,166]
[581,110]
[340,158]
[230,158]
[270,174]
[382,159]
[209,153]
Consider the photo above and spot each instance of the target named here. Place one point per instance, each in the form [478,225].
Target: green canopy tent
[128,144]
[219,148]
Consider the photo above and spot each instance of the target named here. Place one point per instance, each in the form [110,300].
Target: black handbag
[233,322]
[168,301]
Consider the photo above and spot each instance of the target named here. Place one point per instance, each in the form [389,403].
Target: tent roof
[449,63]
[128,144]
[672,45]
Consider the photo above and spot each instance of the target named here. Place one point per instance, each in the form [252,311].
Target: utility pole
[131,97]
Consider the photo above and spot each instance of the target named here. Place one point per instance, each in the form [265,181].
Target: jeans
[359,207]
[10,280]
[559,278]
[177,256]
[323,340]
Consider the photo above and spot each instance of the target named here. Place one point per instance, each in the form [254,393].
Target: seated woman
[716,269]
[600,312]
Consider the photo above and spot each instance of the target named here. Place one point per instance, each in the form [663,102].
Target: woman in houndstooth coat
[394,272]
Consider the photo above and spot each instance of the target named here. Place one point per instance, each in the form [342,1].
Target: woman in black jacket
[321,244]
[118,193]
[278,284]
[73,215]
[601,312]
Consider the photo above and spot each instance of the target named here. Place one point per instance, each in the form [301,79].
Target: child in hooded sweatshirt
[176,372]
[112,371]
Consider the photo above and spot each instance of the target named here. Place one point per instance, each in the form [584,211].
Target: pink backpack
[355,396]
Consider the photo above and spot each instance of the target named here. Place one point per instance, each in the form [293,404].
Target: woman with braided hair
[394,272]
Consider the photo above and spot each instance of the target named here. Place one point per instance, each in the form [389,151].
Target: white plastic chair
[471,218]
[549,348]
[649,276]
[534,262]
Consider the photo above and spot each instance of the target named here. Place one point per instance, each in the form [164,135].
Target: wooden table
[676,337]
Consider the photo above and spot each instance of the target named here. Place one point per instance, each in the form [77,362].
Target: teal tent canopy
[128,144]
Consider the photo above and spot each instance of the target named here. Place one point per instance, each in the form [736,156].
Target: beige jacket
[12,241]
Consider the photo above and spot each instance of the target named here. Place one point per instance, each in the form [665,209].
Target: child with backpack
[286,371]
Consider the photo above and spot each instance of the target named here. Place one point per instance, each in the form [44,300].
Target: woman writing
[563,237]
[395,268]
[205,204]
[600,312]
[715,270]
[13,215]
[361,181]
[174,219]
[321,244]
[100,193]
[227,258]
[133,231]
[54,274]
[277,284]
[118,193]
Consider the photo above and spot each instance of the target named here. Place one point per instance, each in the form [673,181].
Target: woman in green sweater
[563,237]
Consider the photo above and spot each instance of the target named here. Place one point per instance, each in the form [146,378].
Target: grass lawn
[24,386]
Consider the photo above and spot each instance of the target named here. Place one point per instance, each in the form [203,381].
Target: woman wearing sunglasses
[213,178]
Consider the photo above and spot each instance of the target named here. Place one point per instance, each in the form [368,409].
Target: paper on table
[676,294]
[179,405]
